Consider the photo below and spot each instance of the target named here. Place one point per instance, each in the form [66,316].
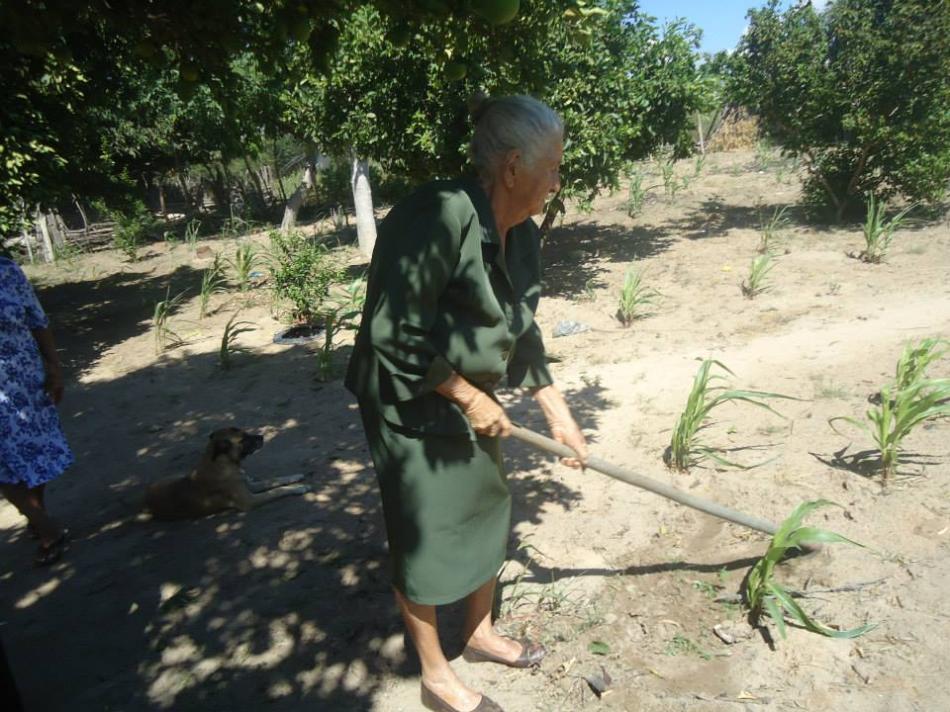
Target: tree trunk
[296,200]
[555,206]
[43,229]
[280,182]
[699,131]
[256,181]
[161,200]
[363,206]
[27,242]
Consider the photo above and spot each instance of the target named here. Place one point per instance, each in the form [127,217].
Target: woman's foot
[494,648]
[51,551]
[450,691]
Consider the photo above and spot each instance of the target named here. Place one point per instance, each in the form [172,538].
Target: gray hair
[510,123]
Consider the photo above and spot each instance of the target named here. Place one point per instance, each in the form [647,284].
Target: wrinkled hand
[54,384]
[567,433]
[562,425]
[486,416]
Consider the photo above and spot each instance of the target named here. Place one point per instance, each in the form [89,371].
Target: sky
[722,21]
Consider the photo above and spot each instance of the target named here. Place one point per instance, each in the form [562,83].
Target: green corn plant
[764,593]
[759,270]
[634,296]
[229,340]
[212,282]
[698,165]
[898,414]
[192,230]
[772,229]
[164,336]
[916,359]
[636,195]
[171,240]
[685,448]
[246,259]
[879,232]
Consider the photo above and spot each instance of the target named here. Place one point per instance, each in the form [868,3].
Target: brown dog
[218,483]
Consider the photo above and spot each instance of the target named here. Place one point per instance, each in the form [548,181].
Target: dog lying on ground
[218,483]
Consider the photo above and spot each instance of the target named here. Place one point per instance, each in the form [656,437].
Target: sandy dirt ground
[288,607]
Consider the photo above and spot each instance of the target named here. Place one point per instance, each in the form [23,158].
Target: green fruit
[496,12]
[454,71]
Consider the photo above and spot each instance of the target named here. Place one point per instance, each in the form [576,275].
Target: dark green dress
[442,297]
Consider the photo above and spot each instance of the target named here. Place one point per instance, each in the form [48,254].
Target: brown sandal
[432,701]
[531,654]
[48,554]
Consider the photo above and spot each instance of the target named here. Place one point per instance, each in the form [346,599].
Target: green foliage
[212,282]
[164,336]
[228,346]
[898,414]
[131,229]
[878,231]
[858,92]
[759,270]
[771,230]
[302,272]
[916,359]
[685,448]
[246,260]
[192,231]
[634,297]
[764,593]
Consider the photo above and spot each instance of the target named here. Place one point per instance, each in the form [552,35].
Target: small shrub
[879,232]
[759,270]
[763,593]
[685,449]
[302,273]
[131,229]
[634,296]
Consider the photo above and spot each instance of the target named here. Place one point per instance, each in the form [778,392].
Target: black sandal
[48,554]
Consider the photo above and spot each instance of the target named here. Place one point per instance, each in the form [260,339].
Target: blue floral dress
[33,449]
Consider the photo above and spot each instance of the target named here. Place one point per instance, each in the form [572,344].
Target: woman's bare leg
[29,502]
[478,631]
[437,675]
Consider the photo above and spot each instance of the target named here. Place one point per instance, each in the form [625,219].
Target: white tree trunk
[293,205]
[363,206]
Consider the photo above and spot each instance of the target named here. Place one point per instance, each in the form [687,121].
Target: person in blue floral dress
[33,449]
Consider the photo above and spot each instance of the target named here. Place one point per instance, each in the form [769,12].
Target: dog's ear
[222,446]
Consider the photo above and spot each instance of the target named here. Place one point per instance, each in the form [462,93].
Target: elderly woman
[33,450]
[453,287]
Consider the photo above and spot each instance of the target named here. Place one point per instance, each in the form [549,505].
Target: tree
[65,64]
[398,94]
[860,92]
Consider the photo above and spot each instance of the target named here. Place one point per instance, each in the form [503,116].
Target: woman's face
[534,183]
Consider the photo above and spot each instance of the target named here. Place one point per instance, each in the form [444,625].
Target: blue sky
[722,21]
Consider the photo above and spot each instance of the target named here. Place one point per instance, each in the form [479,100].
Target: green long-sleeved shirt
[442,297]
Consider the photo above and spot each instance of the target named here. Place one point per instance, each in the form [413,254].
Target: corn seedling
[764,593]
[171,240]
[164,336]
[685,448]
[898,414]
[916,359]
[698,165]
[772,229]
[245,261]
[879,232]
[759,270]
[229,338]
[192,230]
[634,296]
[212,282]
[636,195]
